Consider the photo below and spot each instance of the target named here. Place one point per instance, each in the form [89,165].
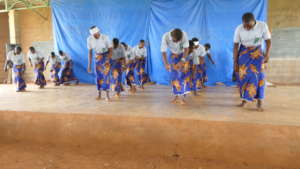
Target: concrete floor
[214,104]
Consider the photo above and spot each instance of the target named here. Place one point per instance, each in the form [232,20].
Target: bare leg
[259,105]
[107,96]
[242,104]
[182,101]
[99,95]
[174,100]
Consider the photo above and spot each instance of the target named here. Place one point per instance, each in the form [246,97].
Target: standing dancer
[140,53]
[177,41]
[67,74]
[130,66]
[16,57]
[37,61]
[118,55]
[207,47]
[55,64]
[249,59]
[101,45]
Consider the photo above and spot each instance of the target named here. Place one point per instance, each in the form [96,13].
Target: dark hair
[142,41]
[207,45]
[124,44]
[92,27]
[195,39]
[52,53]
[60,52]
[247,17]
[191,43]
[31,48]
[116,42]
[177,34]
[18,48]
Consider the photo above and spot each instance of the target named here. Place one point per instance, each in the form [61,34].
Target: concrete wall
[34,26]
[4,38]
[284,22]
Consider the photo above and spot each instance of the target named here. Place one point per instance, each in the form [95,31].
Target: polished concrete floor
[213,103]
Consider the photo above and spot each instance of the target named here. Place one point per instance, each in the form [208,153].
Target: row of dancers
[185,63]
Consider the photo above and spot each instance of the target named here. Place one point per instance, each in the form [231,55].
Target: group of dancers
[15,60]
[186,62]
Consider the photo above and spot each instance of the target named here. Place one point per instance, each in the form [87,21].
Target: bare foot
[98,98]
[242,104]
[182,102]
[174,101]
[107,99]
[260,109]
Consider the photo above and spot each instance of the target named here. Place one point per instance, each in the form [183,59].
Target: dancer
[249,59]
[101,45]
[16,58]
[130,66]
[36,60]
[55,64]
[67,74]
[198,65]
[140,53]
[177,41]
[118,55]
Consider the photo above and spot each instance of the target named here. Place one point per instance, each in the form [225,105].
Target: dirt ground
[209,134]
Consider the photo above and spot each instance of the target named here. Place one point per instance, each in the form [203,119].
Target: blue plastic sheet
[213,21]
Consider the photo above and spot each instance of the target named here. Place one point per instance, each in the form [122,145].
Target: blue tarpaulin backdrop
[213,21]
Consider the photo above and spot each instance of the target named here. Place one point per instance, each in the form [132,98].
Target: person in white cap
[198,64]
[102,47]
[177,41]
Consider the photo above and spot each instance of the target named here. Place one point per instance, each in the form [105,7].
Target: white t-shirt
[16,59]
[100,45]
[253,37]
[118,53]
[139,52]
[175,48]
[54,61]
[200,51]
[129,55]
[65,57]
[35,57]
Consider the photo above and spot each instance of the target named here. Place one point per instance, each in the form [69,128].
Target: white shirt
[140,52]
[16,59]
[254,36]
[118,53]
[100,45]
[175,48]
[129,55]
[65,57]
[34,57]
[54,61]
[200,51]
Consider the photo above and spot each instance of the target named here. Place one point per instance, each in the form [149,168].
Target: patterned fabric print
[197,77]
[19,80]
[39,73]
[179,76]
[251,79]
[130,74]
[54,73]
[67,74]
[116,76]
[103,66]
[141,74]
